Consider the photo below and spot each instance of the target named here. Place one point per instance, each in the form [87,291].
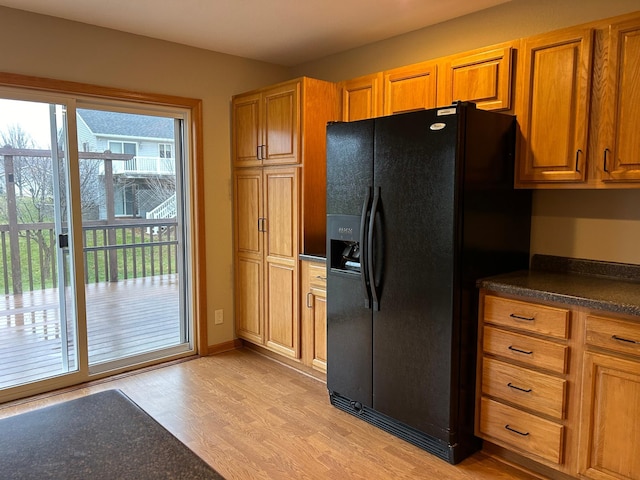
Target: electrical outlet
[218,317]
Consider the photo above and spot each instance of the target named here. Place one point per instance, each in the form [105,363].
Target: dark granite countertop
[612,287]
[313,257]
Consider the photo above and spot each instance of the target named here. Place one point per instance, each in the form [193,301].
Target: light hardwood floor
[253,418]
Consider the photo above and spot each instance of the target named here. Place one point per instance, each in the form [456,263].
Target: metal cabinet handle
[524,434]
[320,277]
[622,339]
[309,296]
[514,349]
[520,317]
[527,390]
[578,152]
[606,151]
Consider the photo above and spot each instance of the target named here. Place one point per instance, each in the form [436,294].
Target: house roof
[127,124]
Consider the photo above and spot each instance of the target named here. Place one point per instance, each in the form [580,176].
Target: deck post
[111,216]
[12,213]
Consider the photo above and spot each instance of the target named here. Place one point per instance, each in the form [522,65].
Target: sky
[33,117]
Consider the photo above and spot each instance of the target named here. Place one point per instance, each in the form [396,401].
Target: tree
[34,181]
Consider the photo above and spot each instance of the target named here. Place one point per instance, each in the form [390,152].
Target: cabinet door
[249,215]
[249,274]
[319,360]
[483,77]
[610,426]
[619,154]
[362,97]
[246,131]
[249,299]
[553,106]
[410,88]
[281,252]
[281,120]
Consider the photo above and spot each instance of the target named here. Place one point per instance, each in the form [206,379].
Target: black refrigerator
[419,206]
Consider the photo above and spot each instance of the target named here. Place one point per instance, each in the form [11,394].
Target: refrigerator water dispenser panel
[343,238]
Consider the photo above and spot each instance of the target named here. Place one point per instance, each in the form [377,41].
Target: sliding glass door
[109,179]
[133,234]
[38,328]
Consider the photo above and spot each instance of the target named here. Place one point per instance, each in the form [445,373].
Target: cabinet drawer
[527,316]
[613,334]
[527,388]
[526,350]
[317,275]
[522,430]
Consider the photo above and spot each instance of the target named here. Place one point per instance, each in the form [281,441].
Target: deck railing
[112,252]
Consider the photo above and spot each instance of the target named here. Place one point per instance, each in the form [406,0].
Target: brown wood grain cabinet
[279,208]
[523,358]
[558,386]
[578,104]
[616,156]
[553,106]
[410,88]
[314,314]
[610,423]
[266,221]
[361,97]
[483,76]
[266,127]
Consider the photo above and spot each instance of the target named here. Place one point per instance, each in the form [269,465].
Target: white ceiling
[285,32]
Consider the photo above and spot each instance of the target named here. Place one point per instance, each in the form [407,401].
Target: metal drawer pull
[511,385]
[627,340]
[515,431]
[511,347]
[320,277]
[520,317]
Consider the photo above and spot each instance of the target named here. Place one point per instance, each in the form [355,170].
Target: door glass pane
[37,319]
[133,237]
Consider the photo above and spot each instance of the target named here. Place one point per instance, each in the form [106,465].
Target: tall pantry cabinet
[278,149]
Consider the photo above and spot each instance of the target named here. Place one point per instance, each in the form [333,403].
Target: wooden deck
[124,318]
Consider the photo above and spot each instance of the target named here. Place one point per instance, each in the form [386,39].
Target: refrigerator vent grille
[400,430]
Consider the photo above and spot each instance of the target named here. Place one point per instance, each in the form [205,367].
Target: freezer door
[349,166]
[415,240]
[349,330]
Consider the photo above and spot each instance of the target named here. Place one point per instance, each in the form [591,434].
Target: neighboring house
[147,181]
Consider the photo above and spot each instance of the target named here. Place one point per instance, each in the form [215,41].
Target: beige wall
[47,47]
[601,225]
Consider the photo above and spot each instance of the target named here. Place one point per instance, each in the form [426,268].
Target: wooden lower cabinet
[266,266]
[314,315]
[559,406]
[524,360]
[610,423]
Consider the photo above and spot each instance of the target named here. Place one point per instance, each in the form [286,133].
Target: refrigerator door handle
[370,266]
[364,274]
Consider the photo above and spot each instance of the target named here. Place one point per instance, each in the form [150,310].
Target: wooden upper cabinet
[410,88]
[482,76]
[281,124]
[362,97]
[266,127]
[553,106]
[619,158]
[247,133]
